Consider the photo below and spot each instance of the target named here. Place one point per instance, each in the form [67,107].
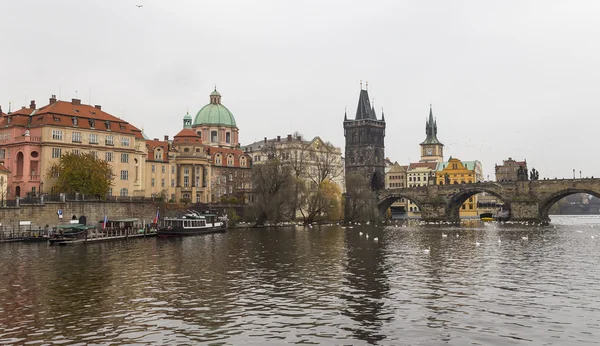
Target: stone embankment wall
[47,214]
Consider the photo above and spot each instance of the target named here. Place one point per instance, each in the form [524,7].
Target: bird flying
[140,6]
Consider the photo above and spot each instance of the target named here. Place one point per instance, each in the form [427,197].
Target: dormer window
[55,118]
[92,123]
[75,121]
[122,126]
[107,123]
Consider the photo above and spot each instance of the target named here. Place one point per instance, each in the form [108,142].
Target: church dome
[214,113]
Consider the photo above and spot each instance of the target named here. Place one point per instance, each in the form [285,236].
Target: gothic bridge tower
[365,143]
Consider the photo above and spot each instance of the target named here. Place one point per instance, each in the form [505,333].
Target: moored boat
[192,223]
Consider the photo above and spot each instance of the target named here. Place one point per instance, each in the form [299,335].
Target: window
[230,177]
[76,138]
[110,140]
[107,123]
[93,138]
[124,175]
[92,123]
[158,155]
[124,158]
[56,153]
[75,121]
[164,169]
[153,168]
[230,189]
[172,182]
[108,156]
[218,159]
[94,154]
[213,136]
[243,161]
[57,134]
[230,160]
[172,169]
[125,141]
[153,182]
[162,182]
[186,181]
[124,192]
[228,137]
[54,172]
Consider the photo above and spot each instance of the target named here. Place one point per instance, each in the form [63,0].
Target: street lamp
[573,173]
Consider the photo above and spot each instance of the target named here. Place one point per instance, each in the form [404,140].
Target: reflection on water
[324,285]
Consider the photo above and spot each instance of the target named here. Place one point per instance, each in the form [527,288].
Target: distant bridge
[525,200]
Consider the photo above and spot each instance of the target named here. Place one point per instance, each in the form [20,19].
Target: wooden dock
[95,235]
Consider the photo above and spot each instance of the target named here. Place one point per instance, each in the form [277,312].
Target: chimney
[278,138]
[166,138]
[53,99]
[299,138]
[76,101]
[265,140]
[98,107]
[32,104]
[289,138]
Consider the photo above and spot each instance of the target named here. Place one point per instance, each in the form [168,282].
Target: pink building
[20,152]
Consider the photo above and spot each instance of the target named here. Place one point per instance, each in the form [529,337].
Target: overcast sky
[506,78]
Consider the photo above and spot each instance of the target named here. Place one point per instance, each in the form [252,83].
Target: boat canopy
[77,226]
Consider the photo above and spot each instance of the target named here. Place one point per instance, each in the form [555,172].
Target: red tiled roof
[430,165]
[61,113]
[237,154]
[153,144]
[188,136]
[3,169]
[405,168]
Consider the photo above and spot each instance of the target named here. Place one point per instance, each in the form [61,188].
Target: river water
[322,285]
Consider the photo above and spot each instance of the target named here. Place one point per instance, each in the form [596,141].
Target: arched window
[218,159]
[243,161]
[158,154]
[229,160]
[227,137]
[186,150]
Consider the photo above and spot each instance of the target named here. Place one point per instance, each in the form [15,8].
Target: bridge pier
[434,212]
[526,210]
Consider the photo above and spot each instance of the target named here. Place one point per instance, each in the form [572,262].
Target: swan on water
[444,235]
[427,250]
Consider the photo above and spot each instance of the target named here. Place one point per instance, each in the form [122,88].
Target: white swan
[477,243]
[360,234]
[457,235]
[376,239]
[525,237]
[444,235]
[499,241]
[427,250]
[367,235]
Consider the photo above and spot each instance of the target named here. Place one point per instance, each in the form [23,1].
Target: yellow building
[456,171]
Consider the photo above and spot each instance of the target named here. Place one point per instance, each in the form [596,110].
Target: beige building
[508,170]
[312,159]
[4,173]
[33,139]
[419,174]
[395,178]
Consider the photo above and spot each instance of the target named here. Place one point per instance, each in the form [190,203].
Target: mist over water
[323,285]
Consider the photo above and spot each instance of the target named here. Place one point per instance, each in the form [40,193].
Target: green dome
[214,113]
[187,117]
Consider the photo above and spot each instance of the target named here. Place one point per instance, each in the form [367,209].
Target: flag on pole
[104,222]
[157,216]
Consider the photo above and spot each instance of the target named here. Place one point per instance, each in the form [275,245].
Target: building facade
[432,150]
[215,124]
[508,171]
[419,174]
[456,171]
[395,178]
[33,139]
[365,148]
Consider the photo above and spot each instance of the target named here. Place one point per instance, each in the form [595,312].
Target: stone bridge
[525,200]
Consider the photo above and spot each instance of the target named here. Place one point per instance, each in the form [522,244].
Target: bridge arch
[546,203]
[458,199]
[386,201]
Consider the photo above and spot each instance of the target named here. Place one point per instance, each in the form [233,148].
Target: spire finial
[215,87]
[361,84]
[367,82]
